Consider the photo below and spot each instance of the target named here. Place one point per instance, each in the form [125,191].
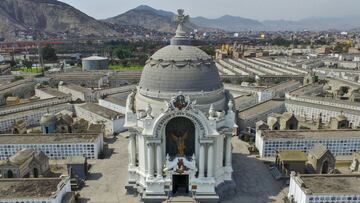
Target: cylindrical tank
[95,63]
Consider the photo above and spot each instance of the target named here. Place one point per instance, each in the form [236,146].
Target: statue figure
[180,142]
[130,102]
[148,110]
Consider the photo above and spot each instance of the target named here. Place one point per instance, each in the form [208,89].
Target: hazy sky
[256,9]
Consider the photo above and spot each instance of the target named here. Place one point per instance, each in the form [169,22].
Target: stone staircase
[180,199]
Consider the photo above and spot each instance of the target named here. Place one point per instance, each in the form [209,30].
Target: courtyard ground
[108,177]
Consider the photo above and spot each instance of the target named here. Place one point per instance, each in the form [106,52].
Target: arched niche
[180,136]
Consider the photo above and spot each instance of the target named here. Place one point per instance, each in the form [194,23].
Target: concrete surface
[109,176]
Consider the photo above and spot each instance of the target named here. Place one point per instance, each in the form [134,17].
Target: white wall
[112,106]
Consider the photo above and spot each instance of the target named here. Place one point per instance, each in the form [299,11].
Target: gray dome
[177,68]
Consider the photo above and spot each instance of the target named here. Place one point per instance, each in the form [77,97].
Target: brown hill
[150,18]
[50,16]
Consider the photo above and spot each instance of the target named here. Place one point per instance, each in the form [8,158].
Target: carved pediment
[179,102]
[180,164]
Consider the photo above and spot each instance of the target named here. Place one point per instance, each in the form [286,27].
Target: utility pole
[40,60]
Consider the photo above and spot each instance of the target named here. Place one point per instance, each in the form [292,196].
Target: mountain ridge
[39,15]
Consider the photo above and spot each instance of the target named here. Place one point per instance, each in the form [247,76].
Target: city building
[39,190]
[339,142]
[80,93]
[54,146]
[31,117]
[180,126]
[96,114]
[32,104]
[114,103]
[247,118]
[45,92]
[324,188]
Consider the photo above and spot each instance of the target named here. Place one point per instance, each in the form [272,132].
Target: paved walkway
[253,179]
[109,176]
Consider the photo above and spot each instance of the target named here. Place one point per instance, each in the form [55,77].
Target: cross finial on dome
[181,19]
[180,37]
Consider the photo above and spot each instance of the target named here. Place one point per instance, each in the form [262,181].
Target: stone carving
[181,168]
[179,102]
[180,143]
[212,112]
[231,105]
[181,19]
[148,111]
[130,102]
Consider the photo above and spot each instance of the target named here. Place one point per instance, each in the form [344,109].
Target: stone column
[150,153]
[201,161]
[228,151]
[132,150]
[210,163]
[158,161]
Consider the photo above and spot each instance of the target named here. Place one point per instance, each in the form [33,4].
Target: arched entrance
[10,174]
[325,167]
[180,137]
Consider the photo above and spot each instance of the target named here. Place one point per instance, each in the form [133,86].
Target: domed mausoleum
[181,121]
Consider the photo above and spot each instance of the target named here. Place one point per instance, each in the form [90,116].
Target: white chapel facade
[181,121]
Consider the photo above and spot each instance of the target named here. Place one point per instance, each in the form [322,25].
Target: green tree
[28,64]
[210,50]
[48,53]
[123,53]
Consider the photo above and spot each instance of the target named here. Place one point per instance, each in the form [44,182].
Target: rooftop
[28,188]
[318,150]
[77,88]
[53,92]
[94,58]
[101,111]
[325,184]
[75,160]
[326,107]
[31,111]
[306,90]
[311,134]
[260,108]
[48,138]
[283,85]
[28,103]
[115,100]
[18,83]
[292,155]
